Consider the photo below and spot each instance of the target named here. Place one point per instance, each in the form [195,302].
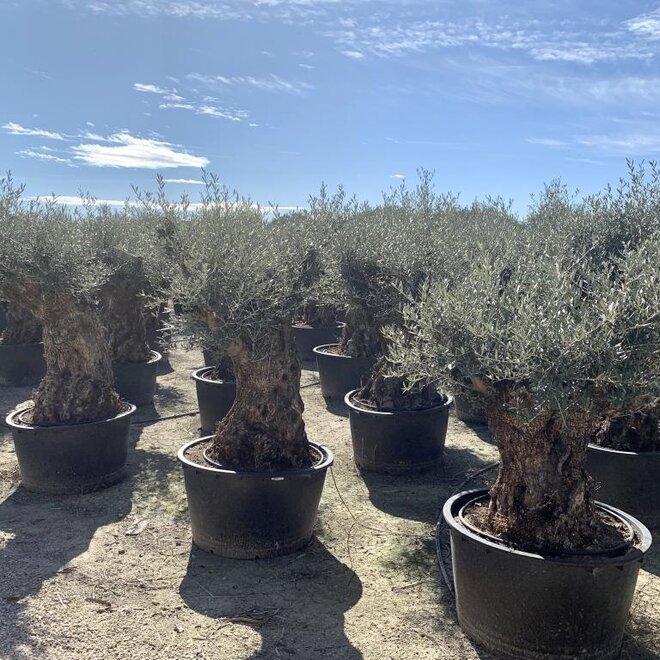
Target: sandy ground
[114,575]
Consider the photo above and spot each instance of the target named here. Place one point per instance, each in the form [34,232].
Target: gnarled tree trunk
[264,428]
[386,392]
[637,432]
[542,497]
[22,326]
[123,312]
[361,335]
[78,385]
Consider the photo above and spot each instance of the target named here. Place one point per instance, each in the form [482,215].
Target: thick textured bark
[317,315]
[542,497]
[123,312]
[386,393]
[638,432]
[22,326]
[223,367]
[264,428]
[361,335]
[78,385]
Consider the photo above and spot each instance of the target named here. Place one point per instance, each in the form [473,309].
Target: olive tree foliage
[319,229]
[48,264]
[556,346]
[140,247]
[395,250]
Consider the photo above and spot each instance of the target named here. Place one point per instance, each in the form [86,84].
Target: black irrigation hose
[161,419]
[441,525]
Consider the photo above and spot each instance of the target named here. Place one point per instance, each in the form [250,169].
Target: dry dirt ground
[114,575]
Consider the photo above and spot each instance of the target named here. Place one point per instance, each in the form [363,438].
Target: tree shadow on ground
[300,598]
[40,535]
[336,407]
[420,497]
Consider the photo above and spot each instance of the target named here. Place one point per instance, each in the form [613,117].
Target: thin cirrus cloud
[16,129]
[558,40]
[192,182]
[170,99]
[271,83]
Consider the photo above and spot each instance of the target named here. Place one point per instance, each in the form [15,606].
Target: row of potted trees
[549,326]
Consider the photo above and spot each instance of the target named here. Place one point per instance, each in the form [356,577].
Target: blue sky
[276,96]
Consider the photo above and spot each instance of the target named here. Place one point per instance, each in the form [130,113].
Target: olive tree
[48,265]
[553,358]
[247,277]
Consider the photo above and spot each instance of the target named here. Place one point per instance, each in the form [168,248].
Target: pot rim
[277,475]
[197,376]
[304,326]
[635,553]
[9,420]
[396,413]
[318,351]
[31,343]
[155,357]
[608,450]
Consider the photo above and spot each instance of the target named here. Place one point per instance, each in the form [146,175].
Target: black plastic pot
[340,374]
[397,442]
[251,515]
[21,364]
[214,398]
[523,605]
[70,459]
[307,338]
[627,480]
[470,409]
[136,381]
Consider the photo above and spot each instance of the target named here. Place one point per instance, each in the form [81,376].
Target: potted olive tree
[73,436]
[21,349]
[398,420]
[550,360]
[254,486]
[319,229]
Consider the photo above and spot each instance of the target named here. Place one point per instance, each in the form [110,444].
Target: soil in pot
[136,381]
[251,514]
[215,397]
[339,373]
[522,604]
[398,441]
[71,458]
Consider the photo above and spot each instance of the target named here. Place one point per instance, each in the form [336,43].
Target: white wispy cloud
[271,83]
[16,129]
[149,89]
[547,40]
[192,182]
[647,25]
[547,142]
[42,153]
[172,100]
[353,54]
[397,176]
[126,150]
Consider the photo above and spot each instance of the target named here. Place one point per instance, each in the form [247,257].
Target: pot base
[71,459]
[527,606]
[252,515]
